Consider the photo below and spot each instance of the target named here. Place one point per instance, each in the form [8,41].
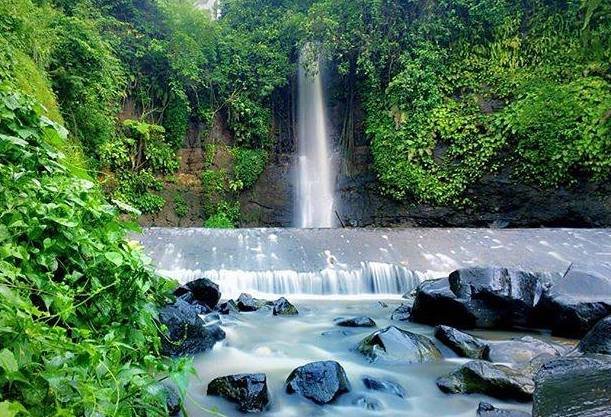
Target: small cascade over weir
[314,206]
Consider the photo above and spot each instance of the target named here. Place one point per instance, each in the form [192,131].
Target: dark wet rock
[321,382]
[173,402]
[249,391]
[490,379]
[577,301]
[462,344]
[573,387]
[202,290]
[597,340]
[435,303]
[521,350]
[382,304]
[488,410]
[385,386]
[247,302]
[367,403]
[228,307]
[392,343]
[338,332]
[360,321]
[199,307]
[282,307]
[187,333]
[212,318]
[402,313]
[511,293]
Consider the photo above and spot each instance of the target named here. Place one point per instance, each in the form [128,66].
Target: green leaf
[114,257]
[11,409]
[8,362]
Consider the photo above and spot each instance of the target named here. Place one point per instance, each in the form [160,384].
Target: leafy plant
[180,206]
[248,165]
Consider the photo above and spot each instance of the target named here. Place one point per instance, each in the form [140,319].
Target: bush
[180,206]
[78,331]
[248,165]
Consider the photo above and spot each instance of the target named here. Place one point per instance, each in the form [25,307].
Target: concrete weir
[361,262]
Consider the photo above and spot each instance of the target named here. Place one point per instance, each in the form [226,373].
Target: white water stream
[315,189]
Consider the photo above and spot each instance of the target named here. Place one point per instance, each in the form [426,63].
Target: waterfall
[314,198]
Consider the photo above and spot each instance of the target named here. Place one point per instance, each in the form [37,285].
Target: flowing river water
[343,273]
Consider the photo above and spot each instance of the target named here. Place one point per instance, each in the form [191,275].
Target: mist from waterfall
[315,189]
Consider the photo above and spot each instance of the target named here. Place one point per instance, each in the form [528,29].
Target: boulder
[488,410]
[212,318]
[435,304]
[249,391]
[228,307]
[282,307]
[511,293]
[385,386]
[402,313]
[321,382]
[520,351]
[392,343]
[573,387]
[490,297]
[205,291]
[490,379]
[360,321]
[187,333]
[173,402]
[247,302]
[462,344]
[367,403]
[199,307]
[580,299]
[597,340]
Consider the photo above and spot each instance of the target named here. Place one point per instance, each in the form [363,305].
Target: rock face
[187,334]
[392,343]
[488,410]
[486,378]
[385,386]
[249,391]
[402,313]
[321,382]
[598,340]
[203,290]
[435,303]
[573,387]
[247,302]
[511,294]
[577,301]
[462,344]
[228,307]
[360,321]
[282,307]
[520,351]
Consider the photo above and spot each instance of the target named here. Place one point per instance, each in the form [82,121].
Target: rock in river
[520,351]
[598,340]
[187,334]
[402,313]
[392,343]
[480,297]
[577,301]
[462,344]
[321,382]
[282,307]
[249,391]
[360,321]
[247,302]
[385,386]
[204,291]
[487,378]
[228,307]
[488,410]
[573,387]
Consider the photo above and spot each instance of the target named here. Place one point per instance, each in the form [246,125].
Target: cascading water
[315,196]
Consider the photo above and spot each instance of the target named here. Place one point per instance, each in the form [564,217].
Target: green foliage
[180,206]
[77,301]
[248,165]
[137,189]
[453,90]
[225,217]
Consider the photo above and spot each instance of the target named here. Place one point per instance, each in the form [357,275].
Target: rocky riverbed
[363,357]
